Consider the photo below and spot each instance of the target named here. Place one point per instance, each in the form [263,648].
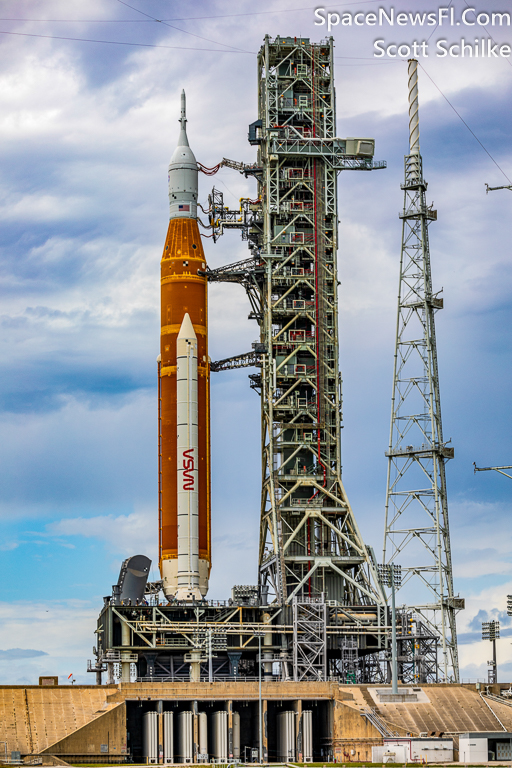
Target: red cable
[208,171]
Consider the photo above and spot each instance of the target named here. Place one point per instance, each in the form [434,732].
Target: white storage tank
[236,736]
[307,736]
[185,737]
[150,737]
[219,736]
[202,727]
[168,728]
[286,736]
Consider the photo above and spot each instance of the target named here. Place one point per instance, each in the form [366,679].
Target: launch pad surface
[102,724]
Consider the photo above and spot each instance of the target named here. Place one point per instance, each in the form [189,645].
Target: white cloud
[126,534]
[63,630]
[491,601]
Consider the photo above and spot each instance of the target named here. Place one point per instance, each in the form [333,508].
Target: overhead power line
[467,126]
[178,29]
[201,18]
[230,49]
[120,42]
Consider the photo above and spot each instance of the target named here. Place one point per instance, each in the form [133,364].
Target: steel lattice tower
[312,558]
[310,544]
[309,539]
[416,521]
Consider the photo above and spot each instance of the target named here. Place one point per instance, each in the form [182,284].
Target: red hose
[208,171]
[317,330]
[317,312]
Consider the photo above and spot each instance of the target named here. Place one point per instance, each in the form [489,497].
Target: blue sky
[86,133]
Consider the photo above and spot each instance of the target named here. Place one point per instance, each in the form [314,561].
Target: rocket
[184,390]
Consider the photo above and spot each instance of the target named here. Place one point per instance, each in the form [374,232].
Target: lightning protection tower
[416,519]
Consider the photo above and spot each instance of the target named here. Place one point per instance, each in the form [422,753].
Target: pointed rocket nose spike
[187,329]
[183,139]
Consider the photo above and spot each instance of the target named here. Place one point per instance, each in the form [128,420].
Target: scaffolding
[310,543]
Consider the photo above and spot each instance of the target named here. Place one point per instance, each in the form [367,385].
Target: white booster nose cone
[183,174]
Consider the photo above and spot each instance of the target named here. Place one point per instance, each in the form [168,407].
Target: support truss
[309,639]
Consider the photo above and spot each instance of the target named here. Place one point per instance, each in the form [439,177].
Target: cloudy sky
[89,101]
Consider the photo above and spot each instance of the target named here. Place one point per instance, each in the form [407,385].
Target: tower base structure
[160,723]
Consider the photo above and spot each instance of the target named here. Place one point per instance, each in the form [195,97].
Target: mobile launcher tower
[318,611]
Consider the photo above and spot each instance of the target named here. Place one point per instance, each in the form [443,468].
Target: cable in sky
[166,24]
[120,42]
[198,18]
[488,33]
[467,126]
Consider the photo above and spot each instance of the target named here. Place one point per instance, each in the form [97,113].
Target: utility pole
[491,631]
[416,515]
[391,576]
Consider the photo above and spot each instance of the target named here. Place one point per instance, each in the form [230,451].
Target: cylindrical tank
[202,727]
[286,736]
[267,640]
[307,736]
[125,655]
[219,734]
[236,735]
[168,728]
[150,737]
[183,291]
[185,737]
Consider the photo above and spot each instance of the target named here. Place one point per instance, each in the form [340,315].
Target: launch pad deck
[214,641]
[224,640]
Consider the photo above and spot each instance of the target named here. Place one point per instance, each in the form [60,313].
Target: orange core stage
[183,290]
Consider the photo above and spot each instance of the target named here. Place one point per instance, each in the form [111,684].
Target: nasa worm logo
[188,468]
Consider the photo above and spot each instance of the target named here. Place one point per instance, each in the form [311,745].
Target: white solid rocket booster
[187,451]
